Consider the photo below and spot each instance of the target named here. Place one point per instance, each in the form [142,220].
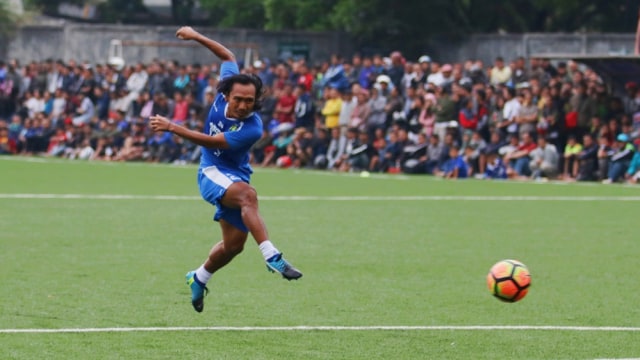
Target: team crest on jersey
[235,127]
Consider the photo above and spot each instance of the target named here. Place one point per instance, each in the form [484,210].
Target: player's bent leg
[232,244]
[243,196]
[221,254]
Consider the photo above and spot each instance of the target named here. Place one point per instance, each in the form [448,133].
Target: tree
[229,13]
[8,21]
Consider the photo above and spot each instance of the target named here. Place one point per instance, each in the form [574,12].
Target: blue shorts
[214,183]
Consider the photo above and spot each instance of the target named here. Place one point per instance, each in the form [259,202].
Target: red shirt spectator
[181,108]
[285,106]
[305,77]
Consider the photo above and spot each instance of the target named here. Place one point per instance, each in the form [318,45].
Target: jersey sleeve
[244,138]
[228,68]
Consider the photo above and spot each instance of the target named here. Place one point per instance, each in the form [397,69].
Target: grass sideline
[100,263]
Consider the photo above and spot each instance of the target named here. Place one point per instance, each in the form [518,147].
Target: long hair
[225,86]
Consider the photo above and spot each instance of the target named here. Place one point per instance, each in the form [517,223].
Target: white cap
[257,64]
[383,78]
[424,58]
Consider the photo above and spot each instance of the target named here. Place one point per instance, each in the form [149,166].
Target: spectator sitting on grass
[571,161]
[544,160]
[455,167]
[633,173]
[620,158]
[518,160]
[588,159]
[495,167]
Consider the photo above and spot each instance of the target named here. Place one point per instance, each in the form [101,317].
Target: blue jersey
[457,163]
[496,170]
[239,134]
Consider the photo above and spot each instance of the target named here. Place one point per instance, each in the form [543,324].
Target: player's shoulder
[253,121]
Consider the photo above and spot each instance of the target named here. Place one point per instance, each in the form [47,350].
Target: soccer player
[232,127]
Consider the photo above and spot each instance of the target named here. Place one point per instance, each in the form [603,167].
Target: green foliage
[8,21]
[229,13]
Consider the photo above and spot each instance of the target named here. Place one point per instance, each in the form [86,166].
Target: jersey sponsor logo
[236,127]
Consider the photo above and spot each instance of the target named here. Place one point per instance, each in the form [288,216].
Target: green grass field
[371,254]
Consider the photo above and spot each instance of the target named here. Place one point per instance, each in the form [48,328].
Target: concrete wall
[488,46]
[91,42]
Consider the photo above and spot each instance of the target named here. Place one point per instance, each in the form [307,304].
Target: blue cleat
[278,264]
[198,291]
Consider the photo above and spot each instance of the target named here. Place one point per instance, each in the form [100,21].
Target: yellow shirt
[573,150]
[331,112]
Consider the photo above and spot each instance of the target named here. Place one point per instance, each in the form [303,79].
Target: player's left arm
[161,123]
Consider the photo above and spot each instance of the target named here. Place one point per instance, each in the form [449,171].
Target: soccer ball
[509,280]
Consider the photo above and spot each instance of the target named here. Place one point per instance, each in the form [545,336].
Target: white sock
[203,275]
[268,250]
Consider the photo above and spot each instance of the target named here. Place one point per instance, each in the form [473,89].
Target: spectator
[633,172]
[588,160]
[336,149]
[583,109]
[544,160]
[346,109]
[527,115]
[572,152]
[436,155]
[495,167]
[361,111]
[415,156]
[455,167]
[85,112]
[500,74]
[619,158]
[510,112]
[5,148]
[331,109]
[377,116]
[518,160]
[304,108]
[285,106]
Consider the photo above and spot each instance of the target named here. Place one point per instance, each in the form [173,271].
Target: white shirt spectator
[59,104]
[136,82]
[34,106]
[346,110]
[86,110]
[438,79]
[511,110]
[500,76]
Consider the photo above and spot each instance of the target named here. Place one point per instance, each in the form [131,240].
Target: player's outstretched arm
[161,123]
[188,33]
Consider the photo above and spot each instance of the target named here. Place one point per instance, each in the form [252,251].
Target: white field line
[329,328]
[324,198]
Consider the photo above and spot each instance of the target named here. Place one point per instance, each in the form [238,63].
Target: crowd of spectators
[524,119]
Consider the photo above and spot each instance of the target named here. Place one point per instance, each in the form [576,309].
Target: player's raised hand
[159,123]
[186,33]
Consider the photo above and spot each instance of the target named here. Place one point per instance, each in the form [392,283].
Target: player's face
[241,99]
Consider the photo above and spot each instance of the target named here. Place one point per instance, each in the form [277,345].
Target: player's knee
[249,198]
[233,249]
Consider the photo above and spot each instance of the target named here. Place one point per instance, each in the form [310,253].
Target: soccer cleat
[278,264]
[198,291]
